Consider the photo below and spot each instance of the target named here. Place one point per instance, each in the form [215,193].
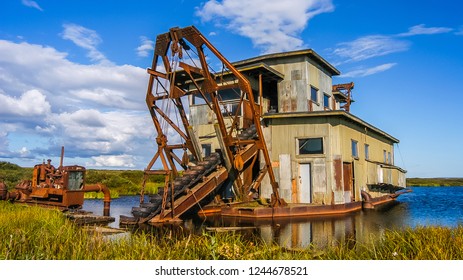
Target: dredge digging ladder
[172,80]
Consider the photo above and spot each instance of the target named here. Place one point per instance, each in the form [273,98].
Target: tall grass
[37,233]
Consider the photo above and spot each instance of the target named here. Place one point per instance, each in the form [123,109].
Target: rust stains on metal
[61,187]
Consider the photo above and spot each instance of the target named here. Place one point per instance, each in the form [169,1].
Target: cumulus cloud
[66,84]
[32,103]
[31,4]
[368,71]
[93,110]
[85,38]
[146,47]
[272,25]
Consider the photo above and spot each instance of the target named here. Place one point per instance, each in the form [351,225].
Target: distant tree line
[434,182]
[120,182]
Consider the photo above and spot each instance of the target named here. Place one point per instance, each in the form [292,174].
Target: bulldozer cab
[70,178]
[75,178]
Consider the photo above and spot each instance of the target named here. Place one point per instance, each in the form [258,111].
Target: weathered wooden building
[321,153]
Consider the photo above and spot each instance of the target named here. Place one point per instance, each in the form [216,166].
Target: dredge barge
[265,137]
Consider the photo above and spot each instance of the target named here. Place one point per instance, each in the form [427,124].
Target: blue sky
[73,73]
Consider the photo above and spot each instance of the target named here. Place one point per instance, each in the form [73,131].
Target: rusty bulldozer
[61,187]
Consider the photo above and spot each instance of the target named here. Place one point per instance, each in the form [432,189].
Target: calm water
[425,206]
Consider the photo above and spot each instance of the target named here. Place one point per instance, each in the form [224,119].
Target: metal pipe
[107,196]
[61,158]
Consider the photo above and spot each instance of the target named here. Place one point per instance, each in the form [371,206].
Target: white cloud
[422,30]
[31,4]
[368,47]
[368,71]
[85,38]
[31,104]
[93,110]
[379,45]
[113,161]
[272,25]
[27,66]
[146,47]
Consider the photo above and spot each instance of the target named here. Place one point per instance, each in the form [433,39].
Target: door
[305,183]
[348,178]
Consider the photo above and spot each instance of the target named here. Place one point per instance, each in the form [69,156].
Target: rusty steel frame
[206,86]
[346,89]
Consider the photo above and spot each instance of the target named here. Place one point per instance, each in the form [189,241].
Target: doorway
[348,180]
[305,183]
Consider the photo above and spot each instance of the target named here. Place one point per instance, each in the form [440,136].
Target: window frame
[312,88]
[367,151]
[318,152]
[326,101]
[354,152]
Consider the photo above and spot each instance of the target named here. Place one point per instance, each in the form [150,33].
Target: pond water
[424,206]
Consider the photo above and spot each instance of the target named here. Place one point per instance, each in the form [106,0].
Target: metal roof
[307,52]
[336,113]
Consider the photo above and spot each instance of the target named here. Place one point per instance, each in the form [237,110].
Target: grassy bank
[37,233]
[434,182]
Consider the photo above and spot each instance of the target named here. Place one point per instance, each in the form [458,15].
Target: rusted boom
[167,84]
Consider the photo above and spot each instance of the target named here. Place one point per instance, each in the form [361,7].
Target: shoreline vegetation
[35,233]
[128,182]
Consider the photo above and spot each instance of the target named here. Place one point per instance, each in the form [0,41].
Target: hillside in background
[128,182]
[119,182]
[434,182]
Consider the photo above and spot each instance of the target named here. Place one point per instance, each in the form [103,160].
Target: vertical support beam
[232,173]
[261,98]
[195,143]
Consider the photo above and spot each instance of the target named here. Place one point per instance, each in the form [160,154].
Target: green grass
[43,234]
[434,182]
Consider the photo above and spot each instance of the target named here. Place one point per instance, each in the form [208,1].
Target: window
[355,151]
[326,101]
[384,156]
[296,75]
[367,151]
[206,149]
[314,94]
[389,158]
[309,146]
[76,180]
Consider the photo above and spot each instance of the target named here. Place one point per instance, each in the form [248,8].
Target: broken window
[308,146]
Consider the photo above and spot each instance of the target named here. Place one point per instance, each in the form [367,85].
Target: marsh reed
[34,233]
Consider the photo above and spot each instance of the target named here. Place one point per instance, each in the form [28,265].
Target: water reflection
[322,231]
[441,206]
[289,233]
